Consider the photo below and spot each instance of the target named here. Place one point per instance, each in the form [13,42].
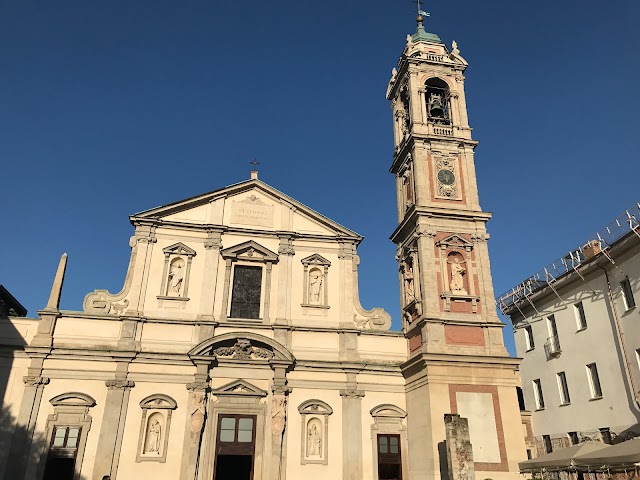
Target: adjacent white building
[577,328]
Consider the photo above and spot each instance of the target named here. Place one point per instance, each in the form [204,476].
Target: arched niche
[438,101]
[314,423]
[155,427]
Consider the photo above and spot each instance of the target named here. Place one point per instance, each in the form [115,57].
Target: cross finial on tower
[254,170]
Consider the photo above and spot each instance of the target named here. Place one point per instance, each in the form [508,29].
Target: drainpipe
[620,339]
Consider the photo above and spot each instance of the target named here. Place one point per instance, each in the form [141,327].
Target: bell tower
[441,237]
[457,362]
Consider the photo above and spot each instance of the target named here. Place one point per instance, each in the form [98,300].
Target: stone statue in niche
[315,286]
[314,440]
[457,272]
[176,277]
[154,434]
[407,273]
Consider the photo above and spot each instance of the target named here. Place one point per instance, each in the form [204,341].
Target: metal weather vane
[421,13]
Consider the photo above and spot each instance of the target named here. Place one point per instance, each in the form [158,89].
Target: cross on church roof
[254,170]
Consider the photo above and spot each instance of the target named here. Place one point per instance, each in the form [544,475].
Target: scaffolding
[601,243]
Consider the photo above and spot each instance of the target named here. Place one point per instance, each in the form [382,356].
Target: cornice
[449,359]
[223,229]
[410,221]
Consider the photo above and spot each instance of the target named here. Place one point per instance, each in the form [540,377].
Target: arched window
[438,101]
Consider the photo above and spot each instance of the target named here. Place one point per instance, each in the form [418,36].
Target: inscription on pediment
[252,211]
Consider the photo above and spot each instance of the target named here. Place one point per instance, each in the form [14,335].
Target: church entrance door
[235,447]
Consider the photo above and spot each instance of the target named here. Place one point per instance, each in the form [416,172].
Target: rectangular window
[627,294]
[563,388]
[548,447]
[537,391]
[63,448]
[605,433]
[581,319]
[389,457]
[594,381]
[573,436]
[528,335]
[247,287]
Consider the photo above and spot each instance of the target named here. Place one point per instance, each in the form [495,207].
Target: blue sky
[111,107]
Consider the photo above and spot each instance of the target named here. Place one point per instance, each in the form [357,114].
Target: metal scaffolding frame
[601,243]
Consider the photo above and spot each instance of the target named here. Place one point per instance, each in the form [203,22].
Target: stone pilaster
[196,418]
[212,245]
[112,428]
[352,429]
[286,253]
[25,424]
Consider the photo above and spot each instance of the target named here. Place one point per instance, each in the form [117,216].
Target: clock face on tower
[446,177]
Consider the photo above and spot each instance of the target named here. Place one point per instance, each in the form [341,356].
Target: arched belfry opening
[438,101]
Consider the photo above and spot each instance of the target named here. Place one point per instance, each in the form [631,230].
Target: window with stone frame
[247,281]
[66,433]
[246,292]
[389,437]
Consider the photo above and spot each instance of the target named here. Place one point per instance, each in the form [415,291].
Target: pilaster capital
[480,237]
[34,380]
[119,384]
[213,240]
[423,231]
[198,386]
[351,393]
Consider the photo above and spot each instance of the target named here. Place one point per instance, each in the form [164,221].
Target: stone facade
[238,342]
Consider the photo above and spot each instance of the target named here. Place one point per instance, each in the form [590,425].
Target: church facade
[238,347]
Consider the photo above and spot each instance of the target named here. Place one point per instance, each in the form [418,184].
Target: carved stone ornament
[34,380]
[278,414]
[196,421]
[243,350]
[197,386]
[119,384]
[446,189]
[351,393]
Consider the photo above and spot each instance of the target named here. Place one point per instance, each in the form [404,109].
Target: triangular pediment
[251,251]
[315,259]
[247,205]
[241,388]
[454,241]
[180,249]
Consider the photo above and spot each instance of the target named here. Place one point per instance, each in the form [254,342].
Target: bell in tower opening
[437,98]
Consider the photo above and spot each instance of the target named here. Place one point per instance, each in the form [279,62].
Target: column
[112,428]
[351,430]
[25,424]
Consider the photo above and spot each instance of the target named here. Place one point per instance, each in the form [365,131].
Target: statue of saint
[457,271]
[153,437]
[315,284]
[407,273]
[314,441]
[176,275]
